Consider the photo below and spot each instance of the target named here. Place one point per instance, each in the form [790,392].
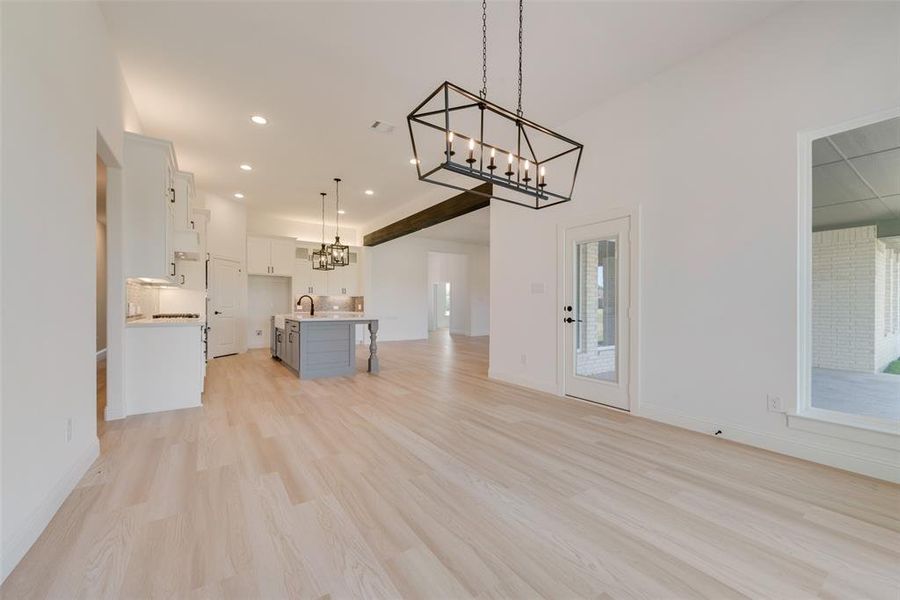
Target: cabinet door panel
[282,254]
[258,256]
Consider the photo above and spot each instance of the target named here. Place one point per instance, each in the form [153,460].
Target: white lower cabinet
[164,367]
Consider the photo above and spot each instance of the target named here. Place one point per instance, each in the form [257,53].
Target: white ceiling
[856,175]
[323,72]
[471,228]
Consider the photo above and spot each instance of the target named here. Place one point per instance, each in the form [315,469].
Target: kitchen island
[323,345]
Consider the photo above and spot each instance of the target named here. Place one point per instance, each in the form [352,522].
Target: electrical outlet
[69,430]
[774,403]
[259,332]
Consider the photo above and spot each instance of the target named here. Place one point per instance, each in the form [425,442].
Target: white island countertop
[325,317]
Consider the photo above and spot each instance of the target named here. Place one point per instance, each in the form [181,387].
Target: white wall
[707,152]
[62,87]
[261,223]
[397,285]
[266,296]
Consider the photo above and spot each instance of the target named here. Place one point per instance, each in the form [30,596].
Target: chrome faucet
[312,304]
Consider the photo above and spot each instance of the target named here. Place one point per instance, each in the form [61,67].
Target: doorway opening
[102,284]
[449,299]
[439,317]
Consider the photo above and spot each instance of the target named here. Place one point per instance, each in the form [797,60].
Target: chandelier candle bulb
[492,166]
[450,144]
[541,182]
[526,179]
[471,158]
[509,162]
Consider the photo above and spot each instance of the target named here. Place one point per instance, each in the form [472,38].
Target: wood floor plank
[430,480]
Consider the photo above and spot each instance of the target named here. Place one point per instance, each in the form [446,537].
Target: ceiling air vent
[382,127]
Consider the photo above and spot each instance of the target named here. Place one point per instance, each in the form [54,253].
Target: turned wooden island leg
[373,347]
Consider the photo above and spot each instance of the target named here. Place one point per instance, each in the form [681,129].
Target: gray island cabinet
[322,346]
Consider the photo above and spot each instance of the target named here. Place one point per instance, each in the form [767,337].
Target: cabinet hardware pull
[173,269]
[182,279]
[173,195]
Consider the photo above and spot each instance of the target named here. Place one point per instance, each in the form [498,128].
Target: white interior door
[224,302]
[595,318]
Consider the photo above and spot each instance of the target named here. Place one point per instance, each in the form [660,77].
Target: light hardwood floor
[429,480]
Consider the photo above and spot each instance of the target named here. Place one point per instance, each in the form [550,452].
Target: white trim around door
[617,386]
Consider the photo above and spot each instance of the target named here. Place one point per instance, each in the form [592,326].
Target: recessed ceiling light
[342,212]
[369,192]
[413,161]
[238,195]
[246,167]
[259,119]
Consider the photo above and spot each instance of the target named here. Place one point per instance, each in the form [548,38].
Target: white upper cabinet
[344,281]
[282,253]
[270,256]
[258,256]
[307,280]
[154,210]
[191,271]
[148,179]
[184,192]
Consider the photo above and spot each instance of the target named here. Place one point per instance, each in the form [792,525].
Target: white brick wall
[852,288]
[887,299]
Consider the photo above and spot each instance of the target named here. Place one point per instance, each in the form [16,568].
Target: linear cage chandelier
[467,137]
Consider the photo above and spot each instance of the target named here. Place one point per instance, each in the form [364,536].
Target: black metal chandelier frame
[340,253]
[514,180]
[537,195]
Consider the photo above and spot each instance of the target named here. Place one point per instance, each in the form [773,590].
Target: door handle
[217,312]
[571,320]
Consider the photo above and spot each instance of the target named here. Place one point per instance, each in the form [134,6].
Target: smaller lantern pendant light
[321,259]
[340,254]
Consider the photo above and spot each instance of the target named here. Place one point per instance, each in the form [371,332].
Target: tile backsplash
[144,297]
[334,304]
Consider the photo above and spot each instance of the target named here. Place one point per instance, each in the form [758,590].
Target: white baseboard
[522,381]
[818,453]
[17,543]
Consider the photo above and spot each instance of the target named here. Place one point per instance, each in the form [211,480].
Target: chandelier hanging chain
[519,108]
[337,206]
[323,218]
[483,93]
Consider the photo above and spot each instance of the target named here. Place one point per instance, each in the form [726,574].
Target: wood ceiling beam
[456,206]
